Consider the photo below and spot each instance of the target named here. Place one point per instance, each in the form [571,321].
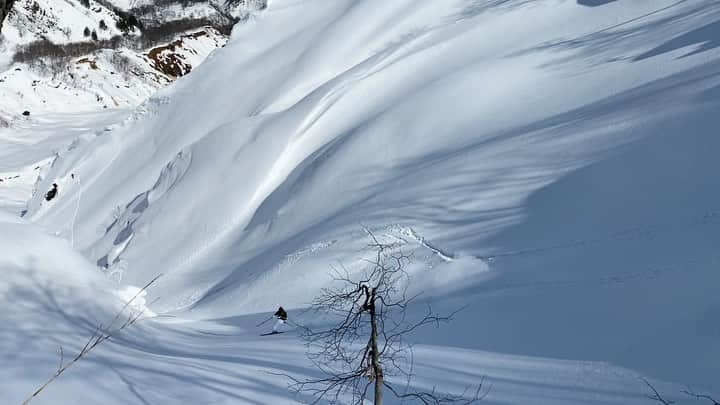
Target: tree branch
[366,344]
[98,336]
[697,396]
[655,396]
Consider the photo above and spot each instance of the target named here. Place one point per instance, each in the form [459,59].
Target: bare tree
[658,397]
[697,396]
[99,335]
[366,345]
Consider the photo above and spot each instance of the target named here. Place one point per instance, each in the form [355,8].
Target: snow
[105,78]
[59,21]
[550,165]
[96,81]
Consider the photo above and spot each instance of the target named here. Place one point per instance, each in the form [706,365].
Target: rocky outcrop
[140,48]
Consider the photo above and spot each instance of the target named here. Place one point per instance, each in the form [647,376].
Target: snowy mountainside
[550,164]
[107,78]
[57,21]
[64,21]
[59,56]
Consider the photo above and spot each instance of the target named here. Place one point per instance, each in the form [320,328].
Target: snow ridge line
[420,240]
[75,214]
[121,231]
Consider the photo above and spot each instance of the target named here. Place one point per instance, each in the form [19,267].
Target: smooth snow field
[551,165]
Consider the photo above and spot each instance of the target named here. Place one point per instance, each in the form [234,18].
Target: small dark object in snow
[26,113]
[271,333]
[281,314]
[52,193]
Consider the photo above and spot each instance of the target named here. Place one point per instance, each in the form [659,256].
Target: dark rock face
[5,6]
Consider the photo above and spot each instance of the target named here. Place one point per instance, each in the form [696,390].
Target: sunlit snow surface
[552,166]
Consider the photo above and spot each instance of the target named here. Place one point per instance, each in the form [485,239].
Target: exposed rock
[168,61]
[5,7]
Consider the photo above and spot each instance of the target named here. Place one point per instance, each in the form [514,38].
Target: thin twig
[695,395]
[98,336]
[656,395]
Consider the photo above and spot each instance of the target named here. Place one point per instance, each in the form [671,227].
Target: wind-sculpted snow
[549,165]
[133,218]
[52,297]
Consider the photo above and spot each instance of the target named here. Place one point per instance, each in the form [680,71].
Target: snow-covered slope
[57,21]
[64,21]
[77,56]
[550,163]
[107,78]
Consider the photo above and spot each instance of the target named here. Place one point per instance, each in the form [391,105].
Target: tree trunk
[377,367]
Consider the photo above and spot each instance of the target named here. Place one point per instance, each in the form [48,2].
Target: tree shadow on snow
[156,364]
[628,40]
[703,39]
[631,280]
[473,8]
